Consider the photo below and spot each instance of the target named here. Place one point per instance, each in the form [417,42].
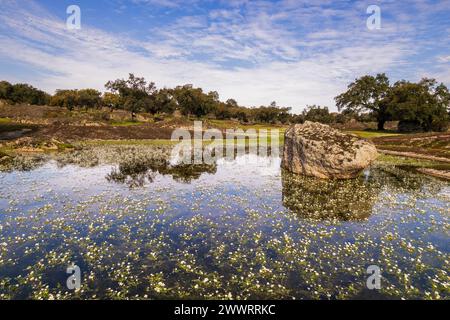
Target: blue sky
[295,52]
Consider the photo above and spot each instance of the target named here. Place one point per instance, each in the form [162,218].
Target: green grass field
[125,123]
[143,142]
[373,134]
[412,162]
[5,120]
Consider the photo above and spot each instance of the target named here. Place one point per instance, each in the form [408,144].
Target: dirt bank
[76,133]
[414,155]
[432,146]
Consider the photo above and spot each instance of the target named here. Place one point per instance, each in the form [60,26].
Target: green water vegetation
[166,240]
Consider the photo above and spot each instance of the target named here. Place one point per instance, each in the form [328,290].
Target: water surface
[139,227]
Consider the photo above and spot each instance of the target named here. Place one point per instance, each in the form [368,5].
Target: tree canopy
[192,101]
[367,93]
[23,93]
[424,105]
[317,114]
[135,93]
[85,98]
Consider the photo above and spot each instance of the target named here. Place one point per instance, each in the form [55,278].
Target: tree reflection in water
[346,200]
[138,173]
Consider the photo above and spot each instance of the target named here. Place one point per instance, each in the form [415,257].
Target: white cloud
[443,59]
[255,52]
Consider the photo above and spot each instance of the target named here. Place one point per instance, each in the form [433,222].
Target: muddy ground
[433,145]
[76,133]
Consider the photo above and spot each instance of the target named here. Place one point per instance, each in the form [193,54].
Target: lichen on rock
[317,150]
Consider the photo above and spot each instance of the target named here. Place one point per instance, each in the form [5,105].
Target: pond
[139,227]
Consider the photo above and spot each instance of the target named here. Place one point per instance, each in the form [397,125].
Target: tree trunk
[381,124]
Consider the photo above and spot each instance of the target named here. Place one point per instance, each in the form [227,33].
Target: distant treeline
[418,106]
[136,95]
[422,106]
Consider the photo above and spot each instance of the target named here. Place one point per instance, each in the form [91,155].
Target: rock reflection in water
[329,199]
[347,200]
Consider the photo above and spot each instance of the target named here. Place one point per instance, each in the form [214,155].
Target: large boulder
[317,150]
